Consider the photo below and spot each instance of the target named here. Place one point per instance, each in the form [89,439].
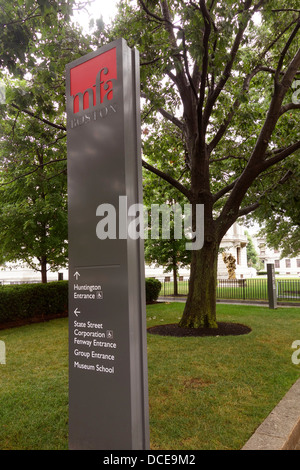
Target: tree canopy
[33,201]
[279,215]
[37,40]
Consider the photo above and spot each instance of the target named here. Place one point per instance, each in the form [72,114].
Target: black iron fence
[240,289]
[235,289]
[288,289]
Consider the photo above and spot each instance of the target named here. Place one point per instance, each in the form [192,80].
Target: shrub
[153,287]
[264,273]
[26,301]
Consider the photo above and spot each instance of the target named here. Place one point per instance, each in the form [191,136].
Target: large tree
[33,195]
[225,82]
[37,40]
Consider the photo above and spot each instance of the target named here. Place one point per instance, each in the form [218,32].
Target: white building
[12,274]
[284,266]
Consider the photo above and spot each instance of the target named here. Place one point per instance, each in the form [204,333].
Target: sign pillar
[272,294]
[108,390]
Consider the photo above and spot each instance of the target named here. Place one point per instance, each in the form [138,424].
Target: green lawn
[204,393]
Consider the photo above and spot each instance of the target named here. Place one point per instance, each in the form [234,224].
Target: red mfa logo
[92,81]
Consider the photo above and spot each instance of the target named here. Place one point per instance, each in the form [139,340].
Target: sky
[98,8]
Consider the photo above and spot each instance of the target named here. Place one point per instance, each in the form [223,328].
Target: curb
[281,429]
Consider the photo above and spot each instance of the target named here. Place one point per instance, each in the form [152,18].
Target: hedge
[264,273]
[153,287]
[28,301]
[31,301]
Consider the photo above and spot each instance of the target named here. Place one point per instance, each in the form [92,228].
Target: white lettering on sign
[93,334]
[108,357]
[101,113]
[91,288]
[85,333]
[83,342]
[90,295]
[84,296]
[97,367]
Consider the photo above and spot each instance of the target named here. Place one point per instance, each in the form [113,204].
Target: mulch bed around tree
[224,329]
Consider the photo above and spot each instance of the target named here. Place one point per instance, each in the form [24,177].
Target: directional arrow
[76,311]
[77,275]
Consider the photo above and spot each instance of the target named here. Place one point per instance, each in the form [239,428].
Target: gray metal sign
[108,391]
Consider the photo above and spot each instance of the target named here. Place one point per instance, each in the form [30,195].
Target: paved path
[231,301]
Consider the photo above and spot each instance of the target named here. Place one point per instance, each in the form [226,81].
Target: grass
[204,393]
[34,387]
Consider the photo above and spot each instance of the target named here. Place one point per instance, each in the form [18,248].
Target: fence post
[272,294]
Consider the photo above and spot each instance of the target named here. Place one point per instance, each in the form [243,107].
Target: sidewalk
[259,303]
[281,429]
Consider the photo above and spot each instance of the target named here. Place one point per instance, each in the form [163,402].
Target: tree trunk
[200,307]
[44,269]
[175,280]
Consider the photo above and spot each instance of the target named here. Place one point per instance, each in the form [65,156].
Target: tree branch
[256,161]
[207,31]
[211,100]
[171,118]
[252,207]
[286,9]
[167,178]
[247,210]
[224,191]
[224,126]
[45,121]
[264,52]
[284,51]
[278,157]
[153,15]
[150,62]
[291,70]
[221,159]
[22,20]
[191,82]
[289,107]
[32,171]
[166,114]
